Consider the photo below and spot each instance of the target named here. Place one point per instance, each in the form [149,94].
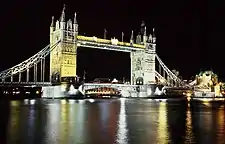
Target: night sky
[190,34]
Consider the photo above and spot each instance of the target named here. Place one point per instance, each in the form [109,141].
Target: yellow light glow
[15,103]
[15,119]
[189,131]
[162,124]
[63,101]
[98,40]
[188,98]
[188,94]
[95,38]
[207,100]
[64,118]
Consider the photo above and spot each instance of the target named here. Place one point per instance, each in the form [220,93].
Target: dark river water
[122,121]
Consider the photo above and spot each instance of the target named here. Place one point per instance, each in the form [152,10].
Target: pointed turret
[145,32]
[138,38]
[52,23]
[145,37]
[153,36]
[105,33]
[142,28]
[75,18]
[75,26]
[75,23]
[69,24]
[62,24]
[63,18]
[132,37]
[52,26]
[57,25]
[150,38]
[153,32]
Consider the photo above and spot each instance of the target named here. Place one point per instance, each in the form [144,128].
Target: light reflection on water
[162,124]
[113,121]
[52,123]
[189,132]
[122,125]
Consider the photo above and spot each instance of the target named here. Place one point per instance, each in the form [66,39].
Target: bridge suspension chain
[29,63]
[159,76]
[170,73]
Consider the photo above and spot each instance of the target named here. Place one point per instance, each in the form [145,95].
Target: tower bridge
[146,66]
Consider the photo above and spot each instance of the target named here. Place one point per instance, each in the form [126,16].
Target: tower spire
[105,33]
[52,24]
[142,28]
[150,38]
[62,18]
[132,37]
[75,25]
[145,37]
[145,31]
[153,36]
[122,36]
[75,18]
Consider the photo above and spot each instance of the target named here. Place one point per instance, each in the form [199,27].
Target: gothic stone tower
[63,56]
[143,62]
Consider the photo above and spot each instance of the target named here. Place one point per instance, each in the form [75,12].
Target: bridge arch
[56,77]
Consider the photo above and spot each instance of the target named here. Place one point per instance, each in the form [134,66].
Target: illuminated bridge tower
[63,58]
[143,62]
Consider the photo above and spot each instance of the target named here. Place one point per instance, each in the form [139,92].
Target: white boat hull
[204,94]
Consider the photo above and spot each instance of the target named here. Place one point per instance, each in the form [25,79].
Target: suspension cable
[21,67]
[159,76]
[171,74]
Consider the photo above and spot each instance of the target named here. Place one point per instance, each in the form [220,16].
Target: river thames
[122,121]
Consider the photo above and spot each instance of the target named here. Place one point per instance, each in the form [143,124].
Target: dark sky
[190,34]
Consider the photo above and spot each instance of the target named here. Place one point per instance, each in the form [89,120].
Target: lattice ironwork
[29,63]
[169,73]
